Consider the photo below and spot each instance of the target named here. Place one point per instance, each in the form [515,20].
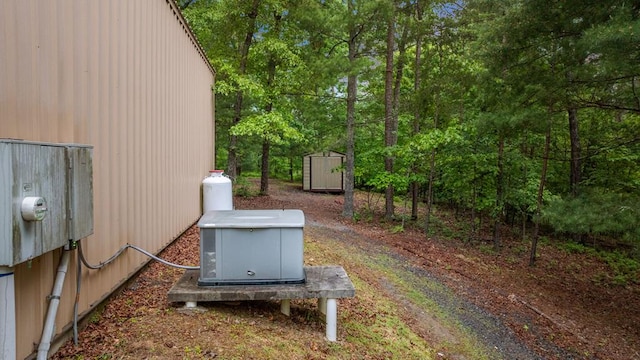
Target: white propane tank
[216,192]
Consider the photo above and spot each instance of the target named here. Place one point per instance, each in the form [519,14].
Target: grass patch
[457,339]
[377,318]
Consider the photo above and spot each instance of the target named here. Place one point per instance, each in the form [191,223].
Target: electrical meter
[33,208]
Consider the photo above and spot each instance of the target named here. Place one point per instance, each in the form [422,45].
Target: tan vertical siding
[126,77]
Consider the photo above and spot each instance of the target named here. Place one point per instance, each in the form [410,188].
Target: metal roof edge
[176,10]
[324,151]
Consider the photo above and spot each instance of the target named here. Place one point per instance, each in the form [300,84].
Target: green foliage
[576,248]
[383,179]
[492,72]
[625,269]
[273,127]
[242,187]
[468,169]
[597,212]
[437,139]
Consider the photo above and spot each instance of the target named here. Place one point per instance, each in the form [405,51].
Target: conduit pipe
[54,301]
[332,319]
[7,314]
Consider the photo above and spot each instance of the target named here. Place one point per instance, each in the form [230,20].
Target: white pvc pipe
[285,307]
[7,314]
[54,301]
[322,305]
[332,319]
[191,304]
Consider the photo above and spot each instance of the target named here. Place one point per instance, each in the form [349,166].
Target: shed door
[334,175]
[324,175]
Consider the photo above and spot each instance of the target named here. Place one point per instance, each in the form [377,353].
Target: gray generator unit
[242,247]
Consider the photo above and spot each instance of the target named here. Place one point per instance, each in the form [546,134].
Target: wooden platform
[325,283]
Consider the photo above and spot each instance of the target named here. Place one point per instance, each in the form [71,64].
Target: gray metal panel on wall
[80,192]
[6,204]
[46,176]
[47,171]
[37,170]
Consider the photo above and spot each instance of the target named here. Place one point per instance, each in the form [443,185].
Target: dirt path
[553,311]
[489,329]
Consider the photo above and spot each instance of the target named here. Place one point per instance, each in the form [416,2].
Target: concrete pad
[325,283]
[322,282]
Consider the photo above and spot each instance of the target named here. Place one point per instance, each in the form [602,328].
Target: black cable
[103,264]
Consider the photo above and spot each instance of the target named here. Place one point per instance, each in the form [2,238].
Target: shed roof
[322,153]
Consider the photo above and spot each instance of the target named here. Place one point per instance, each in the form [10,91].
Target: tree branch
[609,106]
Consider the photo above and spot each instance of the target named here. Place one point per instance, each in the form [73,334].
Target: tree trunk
[352,81]
[432,159]
[271,75]
[390,133]
[402,50]
[474,199]
[266,146]
[264,177]
[415,187]
[576,166]
[543,181]
[232,157]
[432,172]
[290,169]
[499,195]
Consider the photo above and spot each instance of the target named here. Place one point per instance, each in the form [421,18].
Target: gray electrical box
[251,247]
[46,197]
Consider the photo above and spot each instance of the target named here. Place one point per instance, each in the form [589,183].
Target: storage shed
[323,172]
